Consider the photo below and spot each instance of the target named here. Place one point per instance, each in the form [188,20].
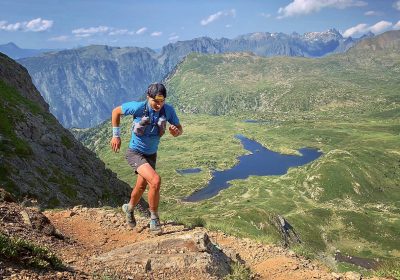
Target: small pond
[262,162]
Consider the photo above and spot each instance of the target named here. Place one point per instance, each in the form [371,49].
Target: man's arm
[175,130]
[115,121]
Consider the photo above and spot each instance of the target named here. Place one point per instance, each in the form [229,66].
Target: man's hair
[156,89]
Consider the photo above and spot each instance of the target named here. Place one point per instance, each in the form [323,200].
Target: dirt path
[97,231]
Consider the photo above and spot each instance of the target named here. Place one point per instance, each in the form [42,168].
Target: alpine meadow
[345,105]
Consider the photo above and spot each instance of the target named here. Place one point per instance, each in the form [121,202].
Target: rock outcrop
[190,253]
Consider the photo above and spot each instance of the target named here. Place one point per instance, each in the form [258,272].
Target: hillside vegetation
[361,81]
[345,105]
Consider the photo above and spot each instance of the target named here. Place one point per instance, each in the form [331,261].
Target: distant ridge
[12,50]
[386,41]
[83,85]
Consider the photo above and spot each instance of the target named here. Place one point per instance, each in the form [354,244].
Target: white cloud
[397,25]
[35,25]
[265,15]
[396,5]
[303,7]
[62,38]
[86,32]
[373,13]
[173,38]
[156,34]
[380,26]
[228,26]
[91,31]
[141,30]
[358,29]
[218,15]
[10,27]
[121,32]
[364,28]
[84,35]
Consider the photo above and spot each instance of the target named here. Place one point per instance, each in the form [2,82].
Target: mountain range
[83,85]
[243,83]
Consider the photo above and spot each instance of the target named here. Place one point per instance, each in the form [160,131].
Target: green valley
[345,105]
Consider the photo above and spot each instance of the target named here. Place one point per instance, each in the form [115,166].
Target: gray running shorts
[136,159]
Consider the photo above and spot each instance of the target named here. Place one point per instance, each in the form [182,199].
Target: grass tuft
[239,272]
[389,269]
[27,253]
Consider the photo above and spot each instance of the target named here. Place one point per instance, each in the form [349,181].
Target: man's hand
[115,144]
[174,130]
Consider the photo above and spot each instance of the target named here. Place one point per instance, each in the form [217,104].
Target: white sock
[153,215]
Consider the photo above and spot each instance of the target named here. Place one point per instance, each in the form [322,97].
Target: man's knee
[155,182]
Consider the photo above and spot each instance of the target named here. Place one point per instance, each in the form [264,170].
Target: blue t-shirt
[148,142]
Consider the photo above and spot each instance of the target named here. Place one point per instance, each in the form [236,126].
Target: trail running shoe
[155,226]
[130,218]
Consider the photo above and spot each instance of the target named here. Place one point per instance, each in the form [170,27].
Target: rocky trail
[95,243]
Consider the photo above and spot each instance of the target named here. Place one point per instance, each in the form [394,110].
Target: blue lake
[262,162]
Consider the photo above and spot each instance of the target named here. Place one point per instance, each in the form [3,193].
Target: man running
[149,124]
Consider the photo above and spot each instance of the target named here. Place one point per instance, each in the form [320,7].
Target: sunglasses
[159,99]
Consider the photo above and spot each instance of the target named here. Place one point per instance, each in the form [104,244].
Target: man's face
[157,102]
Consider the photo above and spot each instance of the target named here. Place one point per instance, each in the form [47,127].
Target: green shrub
[69,191]
[239,272]
[27,253]
[389,269]
[53,203]
[66,142]
[196,222]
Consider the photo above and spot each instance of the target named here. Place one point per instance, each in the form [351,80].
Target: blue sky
[155,23]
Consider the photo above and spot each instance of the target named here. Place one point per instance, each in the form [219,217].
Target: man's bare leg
[138,190]
[154,182]
[136,194]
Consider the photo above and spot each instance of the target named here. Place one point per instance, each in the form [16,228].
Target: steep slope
[39,158]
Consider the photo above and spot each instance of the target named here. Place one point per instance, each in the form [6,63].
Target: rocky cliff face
[39,158]
[172,54]
[83,85]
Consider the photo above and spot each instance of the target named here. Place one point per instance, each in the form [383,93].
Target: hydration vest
[161,122]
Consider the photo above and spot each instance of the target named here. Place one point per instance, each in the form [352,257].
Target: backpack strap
[145,110]
[162,112]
